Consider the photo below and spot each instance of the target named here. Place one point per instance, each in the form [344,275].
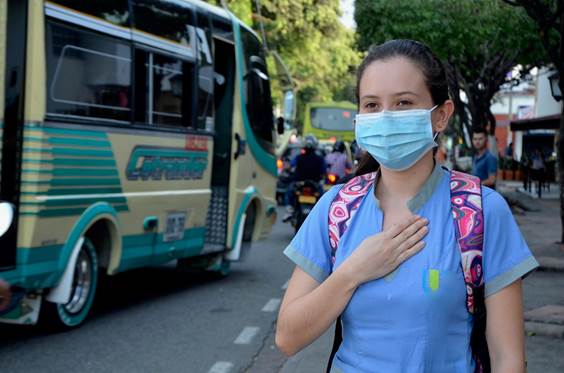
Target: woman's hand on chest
[380,254]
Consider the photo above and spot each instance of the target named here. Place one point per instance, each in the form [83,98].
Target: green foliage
[450,28]
[480,41]
[317,49]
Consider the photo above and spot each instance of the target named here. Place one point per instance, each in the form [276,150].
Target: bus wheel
[83,290]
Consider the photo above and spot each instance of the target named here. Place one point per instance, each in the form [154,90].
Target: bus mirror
[6,217]
[280,125]
[256,72]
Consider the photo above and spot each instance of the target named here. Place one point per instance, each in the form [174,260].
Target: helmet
[339,146]
[310,142]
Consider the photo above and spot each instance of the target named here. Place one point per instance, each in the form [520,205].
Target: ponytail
[366,165]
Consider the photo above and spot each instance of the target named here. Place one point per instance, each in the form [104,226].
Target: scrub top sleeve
[506,256]
[310,249]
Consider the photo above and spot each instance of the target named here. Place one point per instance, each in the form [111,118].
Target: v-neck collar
[424,193]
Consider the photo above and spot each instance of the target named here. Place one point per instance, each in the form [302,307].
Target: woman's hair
[418,53]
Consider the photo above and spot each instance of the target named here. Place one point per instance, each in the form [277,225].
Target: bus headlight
[6,216]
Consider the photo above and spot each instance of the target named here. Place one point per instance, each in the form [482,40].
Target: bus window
[257,84]
[100,68]
[167,19]
[332,119]
[206,74]
[164,90]
[114,11]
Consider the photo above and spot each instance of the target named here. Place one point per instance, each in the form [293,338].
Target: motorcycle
[330,181]
[307,194]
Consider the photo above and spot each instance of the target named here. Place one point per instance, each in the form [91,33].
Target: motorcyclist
[307,166]
[337,161]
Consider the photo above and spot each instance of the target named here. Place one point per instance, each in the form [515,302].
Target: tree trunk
[561,170]
[560,155]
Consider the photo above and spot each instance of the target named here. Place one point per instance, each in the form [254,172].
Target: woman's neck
[404,185]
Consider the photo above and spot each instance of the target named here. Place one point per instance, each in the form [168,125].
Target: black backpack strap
[336,343]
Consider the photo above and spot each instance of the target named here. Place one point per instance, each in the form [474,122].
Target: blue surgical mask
[396,139]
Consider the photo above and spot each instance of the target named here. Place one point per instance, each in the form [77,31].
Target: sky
[347,6]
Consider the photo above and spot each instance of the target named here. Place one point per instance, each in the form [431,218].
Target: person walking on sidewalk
[484,164]
[402,232]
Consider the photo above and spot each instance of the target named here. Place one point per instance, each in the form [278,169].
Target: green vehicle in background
[330,121]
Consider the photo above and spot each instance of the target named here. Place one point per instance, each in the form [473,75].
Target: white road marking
[247,335]
[285,286]
[221,367]
[271,305]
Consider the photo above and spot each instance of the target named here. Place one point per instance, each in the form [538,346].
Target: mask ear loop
[430,111]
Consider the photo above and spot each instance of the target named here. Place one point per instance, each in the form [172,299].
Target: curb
[550,264]
[549,330]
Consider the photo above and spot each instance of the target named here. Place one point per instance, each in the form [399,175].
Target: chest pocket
[444,297]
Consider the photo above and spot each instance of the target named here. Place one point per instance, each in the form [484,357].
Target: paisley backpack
[466,202]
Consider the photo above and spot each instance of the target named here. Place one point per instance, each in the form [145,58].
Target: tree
[480,41]
[318,50]
[548,16]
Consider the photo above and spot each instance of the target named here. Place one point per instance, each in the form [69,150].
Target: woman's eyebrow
[406,93]
[369,97]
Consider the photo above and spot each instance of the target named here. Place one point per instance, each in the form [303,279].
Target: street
[162,320]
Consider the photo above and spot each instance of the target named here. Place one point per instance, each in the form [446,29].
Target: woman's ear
[442,115]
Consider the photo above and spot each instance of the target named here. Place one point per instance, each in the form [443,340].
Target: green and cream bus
[330,121]
[132,133]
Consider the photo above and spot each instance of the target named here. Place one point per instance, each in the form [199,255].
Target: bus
[330,121]
[132,133]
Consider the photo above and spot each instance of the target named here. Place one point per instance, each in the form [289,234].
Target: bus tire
[249,228]
[72,314]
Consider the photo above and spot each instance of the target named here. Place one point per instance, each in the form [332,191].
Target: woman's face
[398,83]
[393,84]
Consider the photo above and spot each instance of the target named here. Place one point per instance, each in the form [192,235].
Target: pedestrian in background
[337,161]
[401,232]
[484,164]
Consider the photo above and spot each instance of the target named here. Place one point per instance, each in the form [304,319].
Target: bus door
[223,79]
[13,24]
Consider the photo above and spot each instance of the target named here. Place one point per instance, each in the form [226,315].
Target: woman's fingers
[406,254]
[409,231]
[413,239]
[396,229]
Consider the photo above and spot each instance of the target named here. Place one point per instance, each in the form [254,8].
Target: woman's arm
[505,330]
[309,308]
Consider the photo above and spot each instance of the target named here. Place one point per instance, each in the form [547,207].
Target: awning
[550,122]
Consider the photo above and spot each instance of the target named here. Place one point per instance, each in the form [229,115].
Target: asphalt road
[163,320]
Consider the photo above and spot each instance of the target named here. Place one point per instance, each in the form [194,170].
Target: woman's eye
[404,103]
[371,106]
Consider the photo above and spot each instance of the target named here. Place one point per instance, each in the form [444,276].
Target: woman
[401,232]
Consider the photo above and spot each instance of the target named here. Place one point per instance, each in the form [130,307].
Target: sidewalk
[539,220]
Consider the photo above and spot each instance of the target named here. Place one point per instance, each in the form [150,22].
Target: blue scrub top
[406,322]
[484,165]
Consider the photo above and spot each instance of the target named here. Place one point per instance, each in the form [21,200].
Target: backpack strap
[466,201]
[344,206]
[342,209]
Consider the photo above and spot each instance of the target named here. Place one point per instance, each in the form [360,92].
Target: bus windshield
[332,119]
